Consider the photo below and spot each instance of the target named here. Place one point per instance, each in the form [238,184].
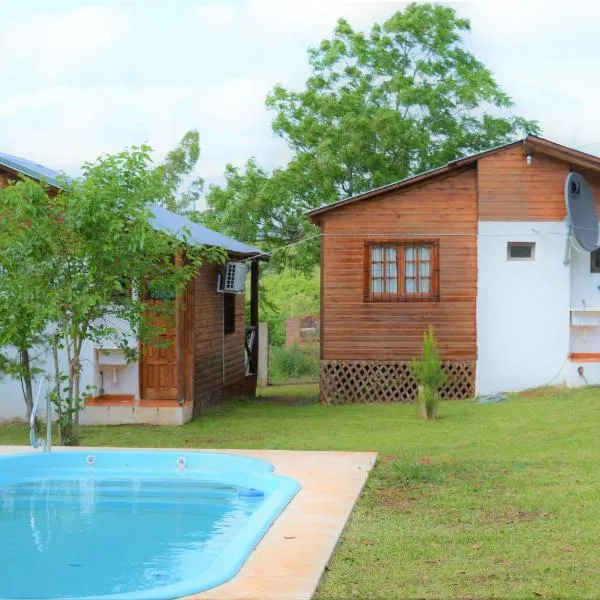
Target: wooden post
[263,355]
[322,397]
[254,273]
[190,339]
[180,338]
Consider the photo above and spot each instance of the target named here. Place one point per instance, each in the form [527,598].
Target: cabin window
[228,313]
[401,271]
[595,261]
[520,250]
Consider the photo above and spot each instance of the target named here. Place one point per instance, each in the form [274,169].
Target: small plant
[429,374]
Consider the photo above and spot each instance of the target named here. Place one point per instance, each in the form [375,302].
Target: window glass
[520,250]
[401,272]
[228,313]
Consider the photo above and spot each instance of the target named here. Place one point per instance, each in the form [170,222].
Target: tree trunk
[76,399]
[58,399]
[26,379]
[421,401]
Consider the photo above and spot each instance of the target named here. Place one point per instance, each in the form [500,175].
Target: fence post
[263,355]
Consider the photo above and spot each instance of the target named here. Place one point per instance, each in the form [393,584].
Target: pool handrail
[35,441]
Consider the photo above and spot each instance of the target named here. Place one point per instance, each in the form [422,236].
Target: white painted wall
[591,374]
[12,405]
[117,380]
[585,294]
[523,327]
[585,286]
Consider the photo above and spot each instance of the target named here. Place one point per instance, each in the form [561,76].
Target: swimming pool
[131,525]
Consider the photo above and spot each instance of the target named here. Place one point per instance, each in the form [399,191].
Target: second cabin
[483,250]
[206,356]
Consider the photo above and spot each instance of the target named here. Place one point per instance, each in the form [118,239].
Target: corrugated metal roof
[163,220]
[28,167]
[172,223]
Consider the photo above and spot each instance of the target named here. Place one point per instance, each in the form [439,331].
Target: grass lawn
[491,501]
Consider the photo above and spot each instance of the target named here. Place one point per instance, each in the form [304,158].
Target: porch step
[129,400]
[110,400]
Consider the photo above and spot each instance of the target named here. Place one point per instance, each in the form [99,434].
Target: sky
[85,77]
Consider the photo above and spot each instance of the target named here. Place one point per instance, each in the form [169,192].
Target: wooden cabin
[475,248]
[213,353]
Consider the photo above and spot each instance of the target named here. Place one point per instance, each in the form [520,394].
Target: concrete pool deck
[290,559]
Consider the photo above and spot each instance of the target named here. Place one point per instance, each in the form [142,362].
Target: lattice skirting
[346,382]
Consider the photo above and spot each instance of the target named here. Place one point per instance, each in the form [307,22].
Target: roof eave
[251,256]
[450,167]
[530,143]
[17,172]
[560,152]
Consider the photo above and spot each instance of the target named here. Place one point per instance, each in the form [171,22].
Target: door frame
[184,347]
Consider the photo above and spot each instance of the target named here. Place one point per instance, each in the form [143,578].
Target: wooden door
[158,365]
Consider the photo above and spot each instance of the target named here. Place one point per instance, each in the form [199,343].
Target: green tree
[268,210]
[170,175]
[378,107]
[406,98]
[89,244]
[287,294]
[23,290]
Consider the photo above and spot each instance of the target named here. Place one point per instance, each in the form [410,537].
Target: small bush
[293,363]
[429,374]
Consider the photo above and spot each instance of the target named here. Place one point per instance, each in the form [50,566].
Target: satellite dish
[581,209]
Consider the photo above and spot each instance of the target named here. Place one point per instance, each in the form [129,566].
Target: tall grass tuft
[293,363]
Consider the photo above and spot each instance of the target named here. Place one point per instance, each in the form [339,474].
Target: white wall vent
[232,279]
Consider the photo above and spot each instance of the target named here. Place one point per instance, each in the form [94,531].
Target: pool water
[130,525]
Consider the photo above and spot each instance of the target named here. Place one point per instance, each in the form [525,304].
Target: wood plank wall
[354,329]
[4,178]
[208,338]
[511,190]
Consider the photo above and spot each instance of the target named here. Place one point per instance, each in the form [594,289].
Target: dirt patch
[485,577]
[511,516]
[396,498]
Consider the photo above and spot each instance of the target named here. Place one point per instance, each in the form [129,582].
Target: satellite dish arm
[567,258]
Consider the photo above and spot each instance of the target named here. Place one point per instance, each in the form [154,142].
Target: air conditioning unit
[232,279]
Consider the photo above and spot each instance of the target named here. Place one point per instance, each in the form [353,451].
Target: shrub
[293,362]
[429,375]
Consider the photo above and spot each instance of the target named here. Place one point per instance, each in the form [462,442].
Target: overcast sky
[82,77]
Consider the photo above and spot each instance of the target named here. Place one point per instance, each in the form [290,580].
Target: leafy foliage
[378,107]
[170,175]
[267,210]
